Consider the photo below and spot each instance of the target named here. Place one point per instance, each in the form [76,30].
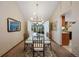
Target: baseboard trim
[11,48]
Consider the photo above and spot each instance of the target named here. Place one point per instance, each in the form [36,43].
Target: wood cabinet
[65,38]
[63,20]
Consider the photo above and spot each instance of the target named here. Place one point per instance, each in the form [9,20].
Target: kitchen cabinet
[65,38]
[63,21]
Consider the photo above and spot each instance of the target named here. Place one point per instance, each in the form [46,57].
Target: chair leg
[24,46]
[33,53]
[43,54]
[33,50]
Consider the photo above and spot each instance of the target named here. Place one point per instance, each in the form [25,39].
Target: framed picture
[13,25]
[50,26]
[54,25]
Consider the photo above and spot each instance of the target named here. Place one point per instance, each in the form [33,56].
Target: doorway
[66,33]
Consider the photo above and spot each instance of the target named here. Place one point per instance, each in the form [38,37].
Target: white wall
[29,28]
[46,28]
[73,15]
[9,39]
[65,6]
[75,29]
[56,34]
[71,11]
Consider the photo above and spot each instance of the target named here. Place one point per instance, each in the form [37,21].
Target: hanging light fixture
[36,18]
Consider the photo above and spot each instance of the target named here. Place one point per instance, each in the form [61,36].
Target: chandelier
[35,18]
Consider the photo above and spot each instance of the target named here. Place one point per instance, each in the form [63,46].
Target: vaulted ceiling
[45,8]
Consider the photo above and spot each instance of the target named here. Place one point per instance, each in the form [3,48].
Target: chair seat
[47,42]
[36,45]
[29,41]
[38,49]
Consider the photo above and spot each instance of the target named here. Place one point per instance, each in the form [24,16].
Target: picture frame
[13,25]
[54,26]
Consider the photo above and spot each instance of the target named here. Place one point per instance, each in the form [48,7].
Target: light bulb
[34,13]
[31,18]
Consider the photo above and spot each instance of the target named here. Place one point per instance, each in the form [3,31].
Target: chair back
[38,43]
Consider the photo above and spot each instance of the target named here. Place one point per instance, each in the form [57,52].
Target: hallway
[56,51]
[39,29]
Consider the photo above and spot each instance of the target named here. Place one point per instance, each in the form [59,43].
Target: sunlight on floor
[69,48]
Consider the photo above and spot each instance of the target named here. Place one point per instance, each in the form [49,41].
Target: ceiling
[44,10]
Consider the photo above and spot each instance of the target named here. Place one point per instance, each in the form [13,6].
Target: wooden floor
[19,51]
